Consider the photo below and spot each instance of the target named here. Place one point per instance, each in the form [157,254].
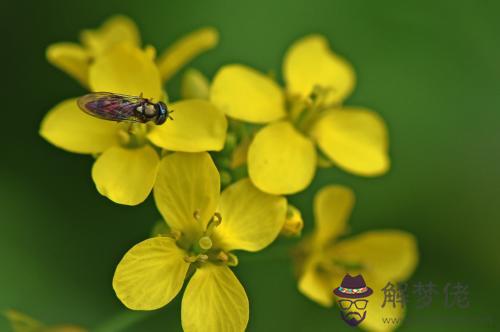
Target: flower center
[132,135]
[304,112]
[203,249]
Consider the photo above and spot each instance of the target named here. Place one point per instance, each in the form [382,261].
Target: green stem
[122,321]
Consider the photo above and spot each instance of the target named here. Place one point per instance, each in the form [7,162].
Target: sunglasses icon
[347,304]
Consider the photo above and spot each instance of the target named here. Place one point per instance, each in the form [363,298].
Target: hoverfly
[117,107]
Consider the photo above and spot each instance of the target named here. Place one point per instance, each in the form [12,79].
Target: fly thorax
[132,135]
[149,111]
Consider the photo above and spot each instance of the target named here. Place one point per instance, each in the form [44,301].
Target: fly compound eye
[162,113]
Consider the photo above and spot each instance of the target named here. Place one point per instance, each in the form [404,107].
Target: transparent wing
[111,106]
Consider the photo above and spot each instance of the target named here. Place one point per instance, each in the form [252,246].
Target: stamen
[197,215]
[202,258]
[214,222]
[217,218]
[314,104]
[233,260]
[175,234]
[222,256]
[190,259]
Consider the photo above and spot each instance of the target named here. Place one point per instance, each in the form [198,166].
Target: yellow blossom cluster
[244,119]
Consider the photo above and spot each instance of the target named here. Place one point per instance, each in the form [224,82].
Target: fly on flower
[117,107]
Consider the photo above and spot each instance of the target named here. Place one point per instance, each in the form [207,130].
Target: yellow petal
[150,274]
[186,49]
[214,301]
[188,184]
[194,85]
[197,126]
[126,176]
[117,29]
[69,128]
[309,62]
[72,59]
[281,160]
[21,322]
[127,70]
[376,313]
[245,94]
[332,208]
[355,139]
[389,255]
[251,219]
[318,284]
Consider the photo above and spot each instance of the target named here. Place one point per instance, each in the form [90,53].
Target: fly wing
[111,106]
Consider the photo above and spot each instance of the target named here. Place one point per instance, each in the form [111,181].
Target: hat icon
[353,287]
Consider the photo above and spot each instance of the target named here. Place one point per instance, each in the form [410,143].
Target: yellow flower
[379,256]
[126,167]
[204,227]
[282,157]
[76,59]
[23,323]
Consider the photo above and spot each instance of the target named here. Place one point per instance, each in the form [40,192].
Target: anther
[197,215]
[222,256]
[190,259]
[214,222]
[198,258]
[202,258]
[175,234]
[232,259]
[217,219]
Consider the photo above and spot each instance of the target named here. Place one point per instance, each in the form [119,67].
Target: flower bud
[293,223]
[194,85]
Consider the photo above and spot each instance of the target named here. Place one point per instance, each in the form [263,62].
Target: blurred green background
[431,68]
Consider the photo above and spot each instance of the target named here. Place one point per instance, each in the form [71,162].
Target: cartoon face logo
[352,294]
